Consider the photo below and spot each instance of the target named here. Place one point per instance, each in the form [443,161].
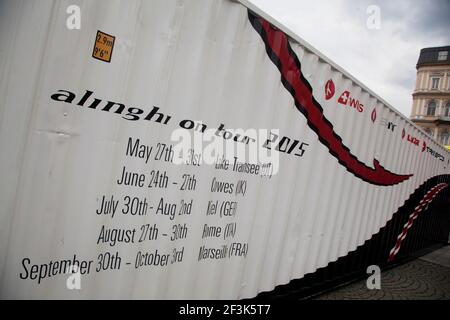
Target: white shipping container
[90,122]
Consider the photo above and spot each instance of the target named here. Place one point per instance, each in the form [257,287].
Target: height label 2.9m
[104,45]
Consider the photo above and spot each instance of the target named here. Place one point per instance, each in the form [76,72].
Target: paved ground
[425,278]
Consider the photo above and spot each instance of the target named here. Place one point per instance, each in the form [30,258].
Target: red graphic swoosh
[426,200]
[282,55]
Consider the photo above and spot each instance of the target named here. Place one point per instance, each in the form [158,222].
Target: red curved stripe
[426,200]
[287,62]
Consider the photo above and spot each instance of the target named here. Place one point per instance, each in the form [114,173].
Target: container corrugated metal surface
[351,166]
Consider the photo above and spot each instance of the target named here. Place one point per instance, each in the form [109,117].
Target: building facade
[431,96]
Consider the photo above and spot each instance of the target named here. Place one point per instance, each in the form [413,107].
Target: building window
[428,131]
[445,138]
[442,55]
[431,109]
[434,83]
[447,110]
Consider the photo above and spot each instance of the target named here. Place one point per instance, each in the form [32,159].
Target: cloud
[383,59]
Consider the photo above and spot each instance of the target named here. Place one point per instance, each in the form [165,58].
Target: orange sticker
[104,44]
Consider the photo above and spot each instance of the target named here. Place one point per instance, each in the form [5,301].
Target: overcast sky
[383,59]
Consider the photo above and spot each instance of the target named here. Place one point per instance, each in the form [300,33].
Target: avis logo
[347,100]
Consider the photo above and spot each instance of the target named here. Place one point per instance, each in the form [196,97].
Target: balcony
[437,119]
[431,92]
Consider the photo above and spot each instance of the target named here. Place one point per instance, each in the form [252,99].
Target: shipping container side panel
[90,150]
[21,65]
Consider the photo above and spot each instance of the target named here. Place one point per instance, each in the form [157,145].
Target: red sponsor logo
[373,115]
[329,89]
[347,100]
[424,146]
[344,97]
[413,140]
